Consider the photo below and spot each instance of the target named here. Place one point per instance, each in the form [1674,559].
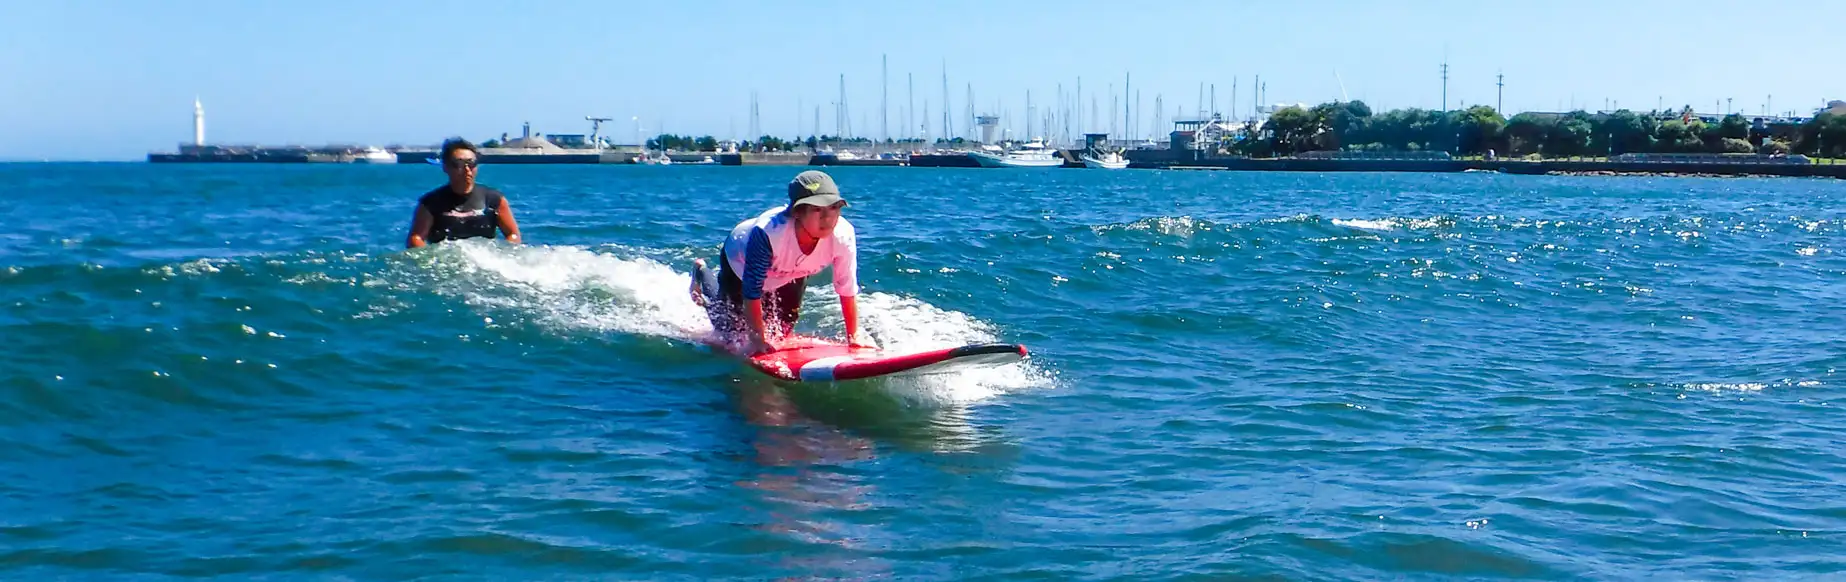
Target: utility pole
[1499,100]
[1445,86]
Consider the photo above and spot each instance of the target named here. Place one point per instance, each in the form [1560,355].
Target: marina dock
[1184,151]
[1659,164]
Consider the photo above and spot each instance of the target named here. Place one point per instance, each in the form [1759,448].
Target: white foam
[1724,386]
[1394,223]
[1749,386]
[901,323]
[1178,226]
[1363,223]
[571,289]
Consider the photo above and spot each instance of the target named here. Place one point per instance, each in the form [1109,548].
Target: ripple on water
[1235,374]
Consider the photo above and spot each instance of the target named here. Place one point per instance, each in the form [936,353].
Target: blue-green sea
[238,372]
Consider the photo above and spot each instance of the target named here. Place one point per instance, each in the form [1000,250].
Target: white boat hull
[987,160]
[1089,162]
[374,156]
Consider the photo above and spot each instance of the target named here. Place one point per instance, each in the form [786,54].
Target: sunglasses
[464,163]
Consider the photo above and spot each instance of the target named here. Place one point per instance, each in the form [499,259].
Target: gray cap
[813,187]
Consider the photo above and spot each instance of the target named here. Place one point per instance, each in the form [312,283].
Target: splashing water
[569,290]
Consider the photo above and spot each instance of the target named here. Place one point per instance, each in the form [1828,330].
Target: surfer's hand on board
[863,340]
[698,270]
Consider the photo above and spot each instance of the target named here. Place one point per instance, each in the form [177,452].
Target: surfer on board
[767,259]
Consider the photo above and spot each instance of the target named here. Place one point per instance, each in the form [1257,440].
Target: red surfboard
[810,359]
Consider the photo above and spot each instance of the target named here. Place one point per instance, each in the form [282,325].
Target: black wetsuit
[457,217]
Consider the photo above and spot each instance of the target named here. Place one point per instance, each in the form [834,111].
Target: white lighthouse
[198,123]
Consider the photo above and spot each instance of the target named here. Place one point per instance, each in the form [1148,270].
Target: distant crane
[596,127]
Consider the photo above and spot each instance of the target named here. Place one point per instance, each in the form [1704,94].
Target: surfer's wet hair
[456,144]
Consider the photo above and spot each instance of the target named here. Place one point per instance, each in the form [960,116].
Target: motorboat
[1032,154]
[1104,159]
[374,155]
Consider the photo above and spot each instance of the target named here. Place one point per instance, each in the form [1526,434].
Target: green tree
[1253,142]
[767,143]
[1574,135]
[1625,132]
[1824,135]
[1478,128]
[1291,130]
[1731,145]
[1678,136]
[1526,133]
[1353,126]
[1340,123]
[669,141]
[1734,127]
[1408,130]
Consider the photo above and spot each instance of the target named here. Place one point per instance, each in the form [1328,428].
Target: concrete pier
[1181,159]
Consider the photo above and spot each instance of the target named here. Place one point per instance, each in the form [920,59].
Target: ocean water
[238,372]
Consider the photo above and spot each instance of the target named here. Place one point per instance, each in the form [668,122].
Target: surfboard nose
[988,349]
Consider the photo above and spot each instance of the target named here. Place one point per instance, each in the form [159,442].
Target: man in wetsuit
[767,260]
[461,208]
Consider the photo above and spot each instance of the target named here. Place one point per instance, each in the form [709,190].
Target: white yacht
[374,155]
[842,155]
[1032,154]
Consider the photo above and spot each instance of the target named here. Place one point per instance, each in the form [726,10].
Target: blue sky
[99,79]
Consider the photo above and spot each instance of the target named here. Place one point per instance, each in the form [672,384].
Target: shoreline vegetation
[1479,131]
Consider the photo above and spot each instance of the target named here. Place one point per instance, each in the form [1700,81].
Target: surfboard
[804,358]
[810,359]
